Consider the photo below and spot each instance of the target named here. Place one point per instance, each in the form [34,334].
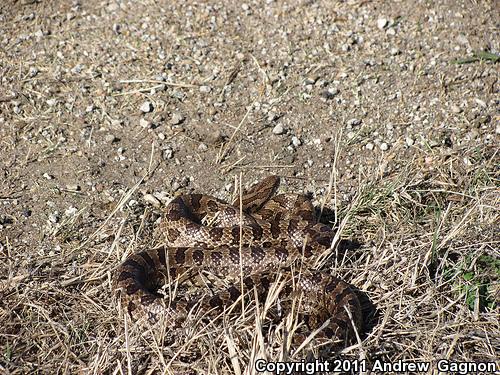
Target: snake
[246,243]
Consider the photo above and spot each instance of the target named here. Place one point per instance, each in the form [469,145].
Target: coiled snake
[267,236]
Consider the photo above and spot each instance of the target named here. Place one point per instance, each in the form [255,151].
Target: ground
[386,112]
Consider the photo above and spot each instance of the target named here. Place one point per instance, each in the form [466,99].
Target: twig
[225,148]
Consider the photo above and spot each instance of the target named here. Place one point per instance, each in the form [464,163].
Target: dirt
[103,103]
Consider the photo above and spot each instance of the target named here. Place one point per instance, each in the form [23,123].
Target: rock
[205,89]
[353,122]
[296,142]
[384,146]
[77,69]
[146,107]
[278,129]
[456,109]
[370,146]
[54,217]
[73,187]
[272,116]
[168,153]
[145,123]
[151,199]
[409,141]
[177,118]
[70,211]
[330,93]
[175,186]
[110,138]
[382,23]
[33,71]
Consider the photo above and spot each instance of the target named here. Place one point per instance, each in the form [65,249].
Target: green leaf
[468,276]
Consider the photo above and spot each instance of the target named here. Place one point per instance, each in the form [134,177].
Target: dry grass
[428,266]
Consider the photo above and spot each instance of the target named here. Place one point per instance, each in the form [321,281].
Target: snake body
[247,242]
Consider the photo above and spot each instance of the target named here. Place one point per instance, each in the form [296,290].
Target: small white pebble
[278,129]
[272,116]
[146,107]
[33,71]
[409,141]
[77,69]
[73,187]
[70,211]
[168,153]
[382,23]
[384,146]
[151,199]
[370,146]
[144,123]
[177,118]
[353,122]
[296,142]
[54,217]
[205,89]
